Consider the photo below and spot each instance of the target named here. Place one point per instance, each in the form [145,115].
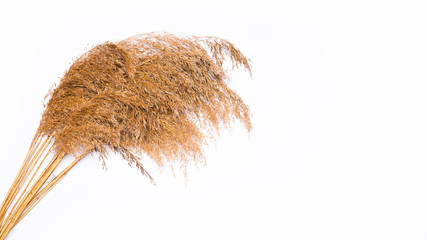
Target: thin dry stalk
[30,197]
[32,163]
[18,180]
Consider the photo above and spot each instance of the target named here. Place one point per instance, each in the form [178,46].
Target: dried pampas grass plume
[155,94]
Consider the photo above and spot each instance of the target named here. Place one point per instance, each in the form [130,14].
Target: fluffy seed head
[155,93]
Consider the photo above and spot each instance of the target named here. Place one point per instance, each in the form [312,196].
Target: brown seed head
[156,93]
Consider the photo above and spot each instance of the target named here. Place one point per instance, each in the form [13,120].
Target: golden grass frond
[153,93]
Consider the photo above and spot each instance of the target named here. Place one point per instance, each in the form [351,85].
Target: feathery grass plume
[156,93]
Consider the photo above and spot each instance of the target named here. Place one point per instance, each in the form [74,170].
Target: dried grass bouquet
[155,94]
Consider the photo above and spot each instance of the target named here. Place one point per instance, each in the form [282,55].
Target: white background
[338,149]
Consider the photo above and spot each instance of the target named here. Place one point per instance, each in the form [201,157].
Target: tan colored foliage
[156,93]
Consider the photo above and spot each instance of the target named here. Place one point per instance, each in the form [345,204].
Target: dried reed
[155,93]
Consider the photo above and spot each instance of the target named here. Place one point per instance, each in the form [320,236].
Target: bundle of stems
[156,94]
